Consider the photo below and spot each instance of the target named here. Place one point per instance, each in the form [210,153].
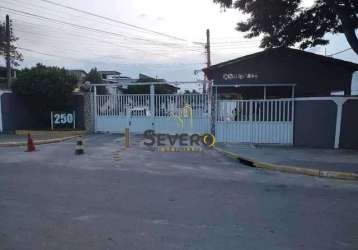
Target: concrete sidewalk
[40,137]
[320,160]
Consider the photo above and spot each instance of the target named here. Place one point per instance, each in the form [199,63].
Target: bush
[44,89]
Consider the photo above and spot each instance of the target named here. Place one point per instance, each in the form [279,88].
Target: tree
[15,55]
[286,23]
[44,88]
[94,77]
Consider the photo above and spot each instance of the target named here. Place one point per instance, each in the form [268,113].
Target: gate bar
[95,108]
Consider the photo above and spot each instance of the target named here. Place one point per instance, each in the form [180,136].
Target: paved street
[139,199]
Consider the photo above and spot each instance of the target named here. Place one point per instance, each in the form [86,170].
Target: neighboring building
[110,75]
[145,89]
[312,74]
[127,85]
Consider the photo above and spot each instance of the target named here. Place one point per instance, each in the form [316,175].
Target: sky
[75,40]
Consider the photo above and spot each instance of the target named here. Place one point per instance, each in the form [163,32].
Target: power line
[115,21]
[88,61]
[114,45]
[84,27]
[55,13]
[86,35]
[236,42]
[339,52]
[52,55]
[106,23]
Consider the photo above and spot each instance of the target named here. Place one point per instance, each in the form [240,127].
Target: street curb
[289,169]
[38,142]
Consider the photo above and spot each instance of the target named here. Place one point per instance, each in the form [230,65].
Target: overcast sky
[113,46]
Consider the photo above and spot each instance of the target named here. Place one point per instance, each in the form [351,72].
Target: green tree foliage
[287,23]
[15,55]
[94,77]
[45,88]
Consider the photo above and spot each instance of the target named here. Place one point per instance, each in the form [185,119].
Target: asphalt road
[111,198]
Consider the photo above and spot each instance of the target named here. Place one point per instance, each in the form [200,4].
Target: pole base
[79,152]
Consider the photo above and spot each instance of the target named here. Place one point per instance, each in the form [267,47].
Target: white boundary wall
[255,121]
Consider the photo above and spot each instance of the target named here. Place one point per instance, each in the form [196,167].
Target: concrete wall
[88,112]
[349,128]
[315,123]
[16,115]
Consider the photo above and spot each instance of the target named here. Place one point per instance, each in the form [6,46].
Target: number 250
[63,118]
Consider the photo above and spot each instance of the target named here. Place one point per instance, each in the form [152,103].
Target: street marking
[116,156]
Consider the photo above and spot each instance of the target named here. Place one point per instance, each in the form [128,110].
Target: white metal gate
[255,121]
[164,113]
[247,121]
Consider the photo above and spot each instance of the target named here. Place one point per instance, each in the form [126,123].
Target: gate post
[293,115]
[212,99]
[95,108]
[152,103]
[251,121]
[1,122]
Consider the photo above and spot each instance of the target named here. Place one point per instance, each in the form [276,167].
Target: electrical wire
[340,52]
[37,36]
[43,8]
[115,21]
[146,43]
[84,27]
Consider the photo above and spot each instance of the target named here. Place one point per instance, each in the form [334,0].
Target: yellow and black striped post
[79,146]
[126,138]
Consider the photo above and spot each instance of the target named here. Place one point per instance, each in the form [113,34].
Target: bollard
[79,146]
[126,137]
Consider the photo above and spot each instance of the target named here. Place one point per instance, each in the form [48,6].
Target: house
[272,73]
[145,89]
[110,75]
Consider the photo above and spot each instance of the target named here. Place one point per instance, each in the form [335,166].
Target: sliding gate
[187,113]
[246,121]
[255,121]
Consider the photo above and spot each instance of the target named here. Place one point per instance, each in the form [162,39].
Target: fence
[166,113]
[255,121]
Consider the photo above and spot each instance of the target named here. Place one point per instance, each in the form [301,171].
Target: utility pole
[212,102]
[208,53]
[208,61]
[7,51]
